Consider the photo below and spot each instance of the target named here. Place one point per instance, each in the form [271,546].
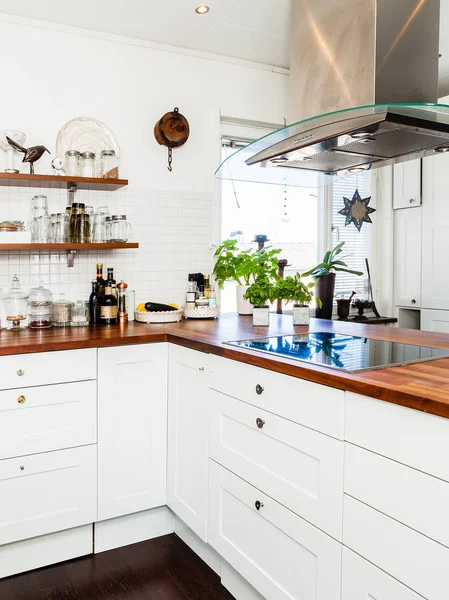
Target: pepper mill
[122,315]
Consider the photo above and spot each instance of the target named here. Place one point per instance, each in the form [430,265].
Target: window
[357,244]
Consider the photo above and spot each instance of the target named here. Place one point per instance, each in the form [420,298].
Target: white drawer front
[47,492]
[408,436]
[412,558]
[280,554]
[24,370]
[47,418]
[315,406]
[409,496]
[363,581]
[298,467]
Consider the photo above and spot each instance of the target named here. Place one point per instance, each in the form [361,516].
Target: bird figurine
[31,155]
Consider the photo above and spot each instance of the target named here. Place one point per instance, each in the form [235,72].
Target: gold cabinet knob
[22,467]
[21,399]
[20,372]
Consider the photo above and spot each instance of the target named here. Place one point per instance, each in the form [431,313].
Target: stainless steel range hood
[369,68]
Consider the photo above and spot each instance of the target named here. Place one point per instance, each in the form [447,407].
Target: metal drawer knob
[22,468]
[412,200]
[21,399]
[20,372]
[258,504]
[260,422]
[201,369]
[259,389]
[413,301]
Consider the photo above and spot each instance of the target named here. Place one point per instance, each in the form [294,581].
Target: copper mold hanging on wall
[172,131]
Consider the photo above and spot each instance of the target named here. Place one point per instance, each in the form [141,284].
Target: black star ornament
[357,210]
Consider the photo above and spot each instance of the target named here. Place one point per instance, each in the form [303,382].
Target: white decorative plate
[163,316]
[86,135]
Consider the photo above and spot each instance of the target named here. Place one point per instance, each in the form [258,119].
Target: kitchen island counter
[423,386]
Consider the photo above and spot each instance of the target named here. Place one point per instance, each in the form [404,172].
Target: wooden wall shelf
[62,181]
[92,246]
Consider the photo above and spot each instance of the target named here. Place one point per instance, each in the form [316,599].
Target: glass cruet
[16,304]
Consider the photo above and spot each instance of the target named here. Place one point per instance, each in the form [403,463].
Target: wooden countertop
[422,386]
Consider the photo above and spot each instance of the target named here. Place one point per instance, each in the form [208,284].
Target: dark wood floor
[160,569]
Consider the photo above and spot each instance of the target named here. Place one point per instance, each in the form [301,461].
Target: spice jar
[40,307]
[120,229]
[16,305]
[88,164]
[80,314]
[72,163]
[62,312]
[109,164]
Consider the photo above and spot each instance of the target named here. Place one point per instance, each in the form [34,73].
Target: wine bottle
[108,307]
[100,280]
[94,304]
[111,282]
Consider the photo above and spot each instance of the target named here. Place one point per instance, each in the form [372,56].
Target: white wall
[50,76]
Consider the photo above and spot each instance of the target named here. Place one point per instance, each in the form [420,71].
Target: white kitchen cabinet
[363,581]
[435,233]
[407,184]
[132,428]
[297,466]
[435,320]
[407,257]
[188,414]
[277,552]
[47,492]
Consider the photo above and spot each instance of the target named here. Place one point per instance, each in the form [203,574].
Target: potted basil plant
[324,274]
[243,267]
[260,293]
[294,289]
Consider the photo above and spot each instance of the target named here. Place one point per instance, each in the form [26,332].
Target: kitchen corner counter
[422,386]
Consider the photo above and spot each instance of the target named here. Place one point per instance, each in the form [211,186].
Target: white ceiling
[255,30]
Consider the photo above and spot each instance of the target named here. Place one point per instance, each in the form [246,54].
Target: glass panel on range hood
[339,144]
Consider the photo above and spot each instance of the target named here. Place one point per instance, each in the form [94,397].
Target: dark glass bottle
[94,304]
[108,307]
[101,282]
[111,282]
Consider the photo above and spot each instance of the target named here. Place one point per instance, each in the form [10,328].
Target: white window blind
[356,243]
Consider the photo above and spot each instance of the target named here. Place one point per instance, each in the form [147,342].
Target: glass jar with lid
[40,307]
[62,312]
[16,305]
[120,229]
[72,163]
[87,164]
[109,164]
[80,314]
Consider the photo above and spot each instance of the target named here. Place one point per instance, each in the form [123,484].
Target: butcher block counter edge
[422,386]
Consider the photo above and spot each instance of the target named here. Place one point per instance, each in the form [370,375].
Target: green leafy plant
[294,289]
[263,290]
[331,263]
[243,266]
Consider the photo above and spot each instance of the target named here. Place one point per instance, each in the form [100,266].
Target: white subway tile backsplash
[174,229]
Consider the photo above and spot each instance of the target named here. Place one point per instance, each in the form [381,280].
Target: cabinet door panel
[132,428]
[300,468]
[47,492]
[435,320]
[435,228]
[407,184]
[407,257]
[280,554]
[188,410]
[363,581]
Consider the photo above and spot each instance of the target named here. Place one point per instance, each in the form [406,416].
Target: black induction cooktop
[344,352]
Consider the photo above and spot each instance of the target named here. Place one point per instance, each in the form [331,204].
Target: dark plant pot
[324,290]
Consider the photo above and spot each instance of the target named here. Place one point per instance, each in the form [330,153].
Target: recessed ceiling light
[280,160]
[357,169]
[202,10]
[360,135]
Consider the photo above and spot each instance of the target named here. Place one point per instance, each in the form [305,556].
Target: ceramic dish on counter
[202,312]
[162,316]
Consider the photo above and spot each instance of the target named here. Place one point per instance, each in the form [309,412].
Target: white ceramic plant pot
[301,315]
[261,316]
[244,306]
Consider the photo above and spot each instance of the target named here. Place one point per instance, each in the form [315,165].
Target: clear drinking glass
[82,228]
[40,232]
[60,228]
[38,208]
[99,227]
